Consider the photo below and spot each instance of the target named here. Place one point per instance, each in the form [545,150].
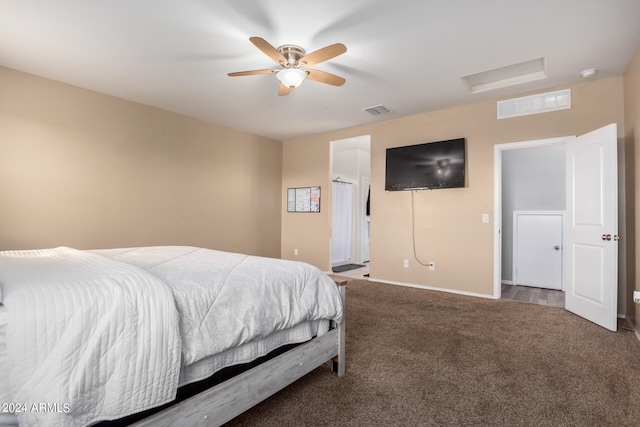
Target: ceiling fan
[293,59]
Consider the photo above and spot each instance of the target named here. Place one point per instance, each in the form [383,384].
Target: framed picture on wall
[303,199]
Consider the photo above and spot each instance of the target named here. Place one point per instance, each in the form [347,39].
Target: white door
[537,255]
[591,231]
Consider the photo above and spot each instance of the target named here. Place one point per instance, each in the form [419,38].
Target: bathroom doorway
[350,173]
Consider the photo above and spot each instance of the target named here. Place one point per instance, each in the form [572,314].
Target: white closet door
[538,249]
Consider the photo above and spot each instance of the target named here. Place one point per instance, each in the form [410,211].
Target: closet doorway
[590,259]
[533,181]
[350,174]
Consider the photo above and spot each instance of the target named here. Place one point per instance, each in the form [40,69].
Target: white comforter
[227,299]
[86,338]
[97,330]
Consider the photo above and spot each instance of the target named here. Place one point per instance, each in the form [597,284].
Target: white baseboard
[507,282]
[432,288]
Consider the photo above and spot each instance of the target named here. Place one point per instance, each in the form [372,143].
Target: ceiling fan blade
[324,54]
[267,49]
[324,77]
[251,73]
[284,90]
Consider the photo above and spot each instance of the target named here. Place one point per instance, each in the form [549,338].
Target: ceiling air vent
[534,104]
[377,110]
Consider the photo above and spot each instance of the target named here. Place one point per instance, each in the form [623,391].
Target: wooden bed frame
[217,405]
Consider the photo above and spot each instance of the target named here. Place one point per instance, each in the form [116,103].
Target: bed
[87,336]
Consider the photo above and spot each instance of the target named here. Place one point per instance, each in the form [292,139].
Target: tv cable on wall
[413,231]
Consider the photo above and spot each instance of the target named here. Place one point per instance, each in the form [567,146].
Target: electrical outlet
[406,263]
[295,251]
[432,265]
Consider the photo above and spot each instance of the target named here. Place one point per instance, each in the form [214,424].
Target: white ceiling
[408,55]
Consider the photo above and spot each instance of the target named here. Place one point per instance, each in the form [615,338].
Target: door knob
[557,248]
[616,237]
[606,237]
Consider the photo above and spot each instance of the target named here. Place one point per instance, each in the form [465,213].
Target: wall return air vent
[534,104]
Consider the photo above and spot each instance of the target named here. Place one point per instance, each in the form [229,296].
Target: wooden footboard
[219,404]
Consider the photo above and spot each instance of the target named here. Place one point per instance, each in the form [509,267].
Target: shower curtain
[342,221]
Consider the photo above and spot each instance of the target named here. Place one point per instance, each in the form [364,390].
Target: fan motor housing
[293,54]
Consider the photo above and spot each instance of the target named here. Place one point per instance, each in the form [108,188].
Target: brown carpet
[425,358]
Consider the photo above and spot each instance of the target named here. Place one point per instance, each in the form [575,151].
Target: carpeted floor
[426,358]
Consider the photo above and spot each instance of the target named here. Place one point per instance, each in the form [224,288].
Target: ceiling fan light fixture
[292,59]
[291,77]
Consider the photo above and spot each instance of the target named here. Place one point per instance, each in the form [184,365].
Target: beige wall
[632,136]
[449,228]
[87,170]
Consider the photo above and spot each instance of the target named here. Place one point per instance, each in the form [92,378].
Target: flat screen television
[426,166]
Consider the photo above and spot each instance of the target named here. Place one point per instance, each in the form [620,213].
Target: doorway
[516,189]
[591,230]
[351,163]
[533,176]
[532,179]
